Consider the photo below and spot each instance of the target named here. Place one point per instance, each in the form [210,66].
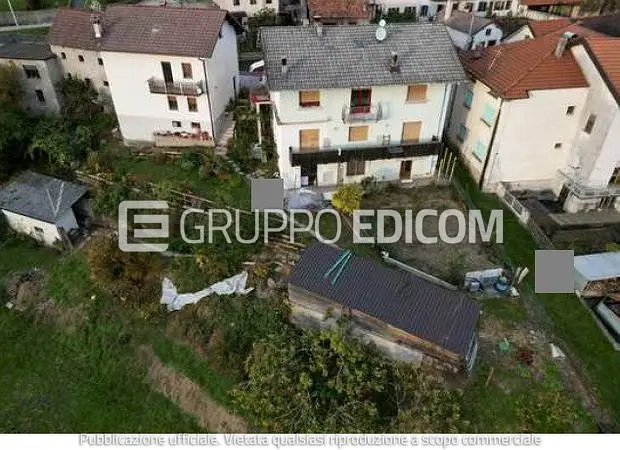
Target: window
[487,32]
[309,140]
[38,229]
[570,110]
[491,42]
[31,72]
[469,96]
[252,2]
[357,134]
[187,70]
[196,126]
[69,76]
[409,10]
[235,2]
[172,103]
[100,61]
[63,55]
[192,105]
[488,114]
[308,99]
[360,100]
[423,11]
[411,131]
[106,84]
[590,124]
[498,5]
[557,145]
[482,6]
[80,58]
[461,133]
[508,4]
[480,150]
[176,124]
[469,7]
[268,2]
[615,177]
[87,81]
[416,93]
[393,10]
[356,167]
[40,96]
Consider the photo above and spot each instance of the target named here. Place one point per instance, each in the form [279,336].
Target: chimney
[284,66]
[393,62]
[97,25]
[448,12]
[562,42]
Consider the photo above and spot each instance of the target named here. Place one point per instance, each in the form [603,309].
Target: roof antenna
[499,51]
[56,207]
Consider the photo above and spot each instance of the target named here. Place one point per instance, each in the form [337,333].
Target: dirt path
[189,396]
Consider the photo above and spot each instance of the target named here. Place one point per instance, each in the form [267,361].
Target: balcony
[366,113]
[189,88]
[368,152]
[583,191]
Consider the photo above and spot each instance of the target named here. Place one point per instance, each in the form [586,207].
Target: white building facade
[250,7]
[341,130]
[421,9]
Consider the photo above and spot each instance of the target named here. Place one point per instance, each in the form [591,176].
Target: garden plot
[448,261]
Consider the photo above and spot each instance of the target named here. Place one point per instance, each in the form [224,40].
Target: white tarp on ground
[229,286]
[596,267]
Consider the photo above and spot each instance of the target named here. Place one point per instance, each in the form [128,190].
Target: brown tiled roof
[339,9]
[550,2]
[606,53]
[512,70]
[543,27]
[142,29]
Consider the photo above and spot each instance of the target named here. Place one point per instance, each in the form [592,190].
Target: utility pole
[13,13]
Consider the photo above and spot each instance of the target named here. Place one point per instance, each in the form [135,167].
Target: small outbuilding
[403,314]
[597,274]
[45,208]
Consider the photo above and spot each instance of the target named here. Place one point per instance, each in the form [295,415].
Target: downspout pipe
[208,92]
[491,142]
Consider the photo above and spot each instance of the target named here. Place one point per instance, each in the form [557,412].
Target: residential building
[563,88]
[171,72]
[420,9]
[515,122]
[485,7]
[339,12]
[406,317]
[469,31]
[38,72]
[549,9]
[249,7]
[45,208]
[351,102]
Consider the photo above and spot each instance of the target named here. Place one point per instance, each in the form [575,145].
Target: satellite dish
[382,23]
[380,34]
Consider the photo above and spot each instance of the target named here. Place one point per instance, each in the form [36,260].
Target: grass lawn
[42,31]
[19,5]
[570,321]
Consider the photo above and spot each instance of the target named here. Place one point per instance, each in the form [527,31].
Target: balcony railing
[583,191]
[190,88]
[366,113]
[368,152]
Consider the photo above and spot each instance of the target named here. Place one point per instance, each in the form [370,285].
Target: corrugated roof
[350,56]
[598,266]
[339,9]
[142,29]
[512,70]
[29,195]
[409,303]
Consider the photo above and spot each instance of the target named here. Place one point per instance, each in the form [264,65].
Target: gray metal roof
[596,267]
[350,56]
[462,21]
[405,301]
[37,196]
[17,49]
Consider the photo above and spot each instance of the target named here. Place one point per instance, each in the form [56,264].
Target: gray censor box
[267,194]
[554,272]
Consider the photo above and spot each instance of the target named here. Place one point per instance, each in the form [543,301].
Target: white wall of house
[49,74]
[522,33]
[490,34]
[223,74]
[90,68]
[524,149]
[598,153]
[250,7]
[483,8]
[44,232]
[430,10]
[333,133]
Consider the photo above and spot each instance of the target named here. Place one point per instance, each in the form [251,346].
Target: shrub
[348,198]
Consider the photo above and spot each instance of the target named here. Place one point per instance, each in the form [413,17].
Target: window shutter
[310,98]
[309,139]
[416,93]
[359,133]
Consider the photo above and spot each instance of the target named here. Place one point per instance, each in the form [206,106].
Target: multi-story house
[249,7]
[38,72]
[171,71]
[351,102]
[420,9]
[542,114]
[339,12]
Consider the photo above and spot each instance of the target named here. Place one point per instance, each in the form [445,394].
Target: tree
[600,7]
[63,145]
[348,198]
[80,102]
[14,138]
[10,86]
